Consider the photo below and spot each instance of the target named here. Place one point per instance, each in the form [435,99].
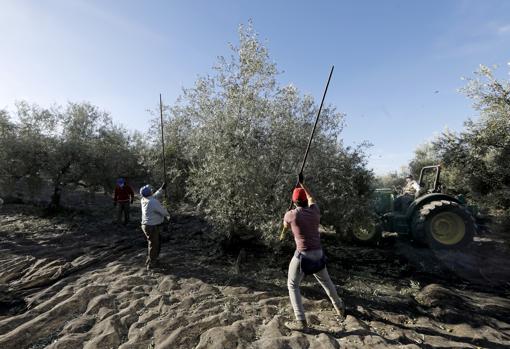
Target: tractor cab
[429,180]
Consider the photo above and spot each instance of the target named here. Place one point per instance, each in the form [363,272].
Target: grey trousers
[295,277]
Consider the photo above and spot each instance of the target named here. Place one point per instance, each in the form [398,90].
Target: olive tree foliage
[243,137]
[429,154]
[7,138]
[75,145]
[392,180]
[176,134]
[482,149]
[98,150]
[424,155]
[25,147]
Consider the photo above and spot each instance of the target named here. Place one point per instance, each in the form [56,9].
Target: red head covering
[299,194]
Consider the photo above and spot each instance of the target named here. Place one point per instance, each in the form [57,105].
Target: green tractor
[433,218]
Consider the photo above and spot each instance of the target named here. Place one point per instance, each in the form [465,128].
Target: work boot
[297,325]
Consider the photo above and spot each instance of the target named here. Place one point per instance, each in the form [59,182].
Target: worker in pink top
[309,258]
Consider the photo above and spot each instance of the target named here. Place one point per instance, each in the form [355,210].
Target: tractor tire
[443,224]
[367,236]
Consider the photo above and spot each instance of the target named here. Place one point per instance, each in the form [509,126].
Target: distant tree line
[66,147]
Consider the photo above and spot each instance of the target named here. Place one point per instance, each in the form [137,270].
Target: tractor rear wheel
[443,224]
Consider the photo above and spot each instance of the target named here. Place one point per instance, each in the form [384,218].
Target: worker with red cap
[308,258]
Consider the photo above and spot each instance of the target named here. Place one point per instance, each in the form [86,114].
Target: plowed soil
[78,280]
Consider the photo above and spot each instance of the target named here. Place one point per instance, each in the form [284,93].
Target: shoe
[297,325]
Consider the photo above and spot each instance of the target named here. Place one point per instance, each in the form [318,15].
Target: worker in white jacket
[153,215]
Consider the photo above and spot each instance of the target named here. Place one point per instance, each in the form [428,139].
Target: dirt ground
[78,280]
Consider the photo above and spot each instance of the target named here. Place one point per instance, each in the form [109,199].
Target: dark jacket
[123,194]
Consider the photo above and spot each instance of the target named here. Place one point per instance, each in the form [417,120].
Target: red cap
[299,194]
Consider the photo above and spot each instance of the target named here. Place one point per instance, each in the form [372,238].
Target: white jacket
[153,213]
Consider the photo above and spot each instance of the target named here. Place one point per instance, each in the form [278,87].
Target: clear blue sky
[390,57]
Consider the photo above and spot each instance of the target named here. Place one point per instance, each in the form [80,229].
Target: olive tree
[25,148]
[245,140]
[7,140]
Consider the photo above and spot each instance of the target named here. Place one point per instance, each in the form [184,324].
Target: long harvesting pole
[316,121]
[282,234]
[163,142]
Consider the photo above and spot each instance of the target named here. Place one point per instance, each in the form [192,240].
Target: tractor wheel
[443,224]
[369,235]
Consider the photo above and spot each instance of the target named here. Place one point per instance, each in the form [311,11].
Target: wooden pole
[316,120]
[163,143]
[282,234]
